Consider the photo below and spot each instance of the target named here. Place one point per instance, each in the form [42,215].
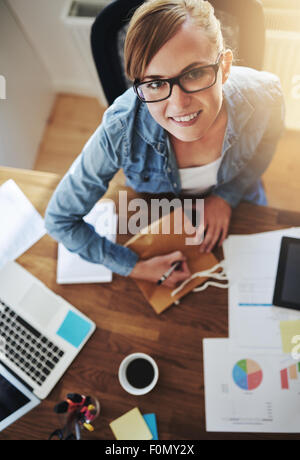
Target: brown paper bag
[153,241]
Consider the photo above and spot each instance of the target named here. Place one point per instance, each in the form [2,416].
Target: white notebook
[71,268]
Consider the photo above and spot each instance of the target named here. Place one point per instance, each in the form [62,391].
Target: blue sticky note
[150,419]
[74,329]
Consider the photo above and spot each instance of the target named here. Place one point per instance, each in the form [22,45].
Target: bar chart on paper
[247,374]
[289,374]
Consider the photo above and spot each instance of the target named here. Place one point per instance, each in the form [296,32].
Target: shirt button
[169,169]
[175,185]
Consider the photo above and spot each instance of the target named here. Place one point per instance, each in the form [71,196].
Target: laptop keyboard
[26,347]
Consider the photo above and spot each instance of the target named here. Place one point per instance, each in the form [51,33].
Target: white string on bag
[206,273]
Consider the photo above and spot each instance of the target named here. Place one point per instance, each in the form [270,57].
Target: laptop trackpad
[40,304]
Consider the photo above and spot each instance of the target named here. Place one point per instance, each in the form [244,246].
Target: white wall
[42,20]
[29,95]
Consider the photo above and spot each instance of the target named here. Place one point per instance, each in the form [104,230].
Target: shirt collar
[149,129]
[239,110]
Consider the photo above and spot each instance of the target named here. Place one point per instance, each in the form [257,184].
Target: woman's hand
[217,215]
[153,269]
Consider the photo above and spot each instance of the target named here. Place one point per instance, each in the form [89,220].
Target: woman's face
[189,48]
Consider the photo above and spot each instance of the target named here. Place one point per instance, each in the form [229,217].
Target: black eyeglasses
[191,81]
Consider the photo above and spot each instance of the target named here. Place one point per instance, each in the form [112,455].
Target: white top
[199,179]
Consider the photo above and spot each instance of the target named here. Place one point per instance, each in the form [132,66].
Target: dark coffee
[140,373]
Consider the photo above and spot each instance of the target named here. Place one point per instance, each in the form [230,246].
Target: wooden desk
[126,324]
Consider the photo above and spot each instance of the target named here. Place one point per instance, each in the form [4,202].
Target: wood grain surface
[127,324]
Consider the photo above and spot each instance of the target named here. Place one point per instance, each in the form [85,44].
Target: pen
[169,272]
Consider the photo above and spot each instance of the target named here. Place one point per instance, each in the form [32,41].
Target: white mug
[126,385]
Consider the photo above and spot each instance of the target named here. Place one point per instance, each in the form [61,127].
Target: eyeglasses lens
[192,81]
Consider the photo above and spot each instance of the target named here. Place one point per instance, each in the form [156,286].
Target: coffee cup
[138,373]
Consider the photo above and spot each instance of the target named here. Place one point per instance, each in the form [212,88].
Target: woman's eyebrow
[186,69]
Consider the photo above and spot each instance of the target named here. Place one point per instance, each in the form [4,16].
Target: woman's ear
[226,65]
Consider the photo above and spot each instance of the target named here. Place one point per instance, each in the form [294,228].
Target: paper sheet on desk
[255,392]
[71,268]
[251,264]
[21,225]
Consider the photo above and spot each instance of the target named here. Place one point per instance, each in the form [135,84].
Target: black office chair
[242,25]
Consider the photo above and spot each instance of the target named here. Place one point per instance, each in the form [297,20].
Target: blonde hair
[157,21]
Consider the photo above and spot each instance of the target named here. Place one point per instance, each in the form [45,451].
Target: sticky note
[74,329]
[150,419]
[131,426]
[289,330]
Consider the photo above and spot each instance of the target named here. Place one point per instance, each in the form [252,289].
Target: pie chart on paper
[247,374]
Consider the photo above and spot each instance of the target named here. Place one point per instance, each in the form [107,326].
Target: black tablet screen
[291,279]
[287,285]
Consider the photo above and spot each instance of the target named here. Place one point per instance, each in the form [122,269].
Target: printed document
[251,265]
[250,392]
[21,224]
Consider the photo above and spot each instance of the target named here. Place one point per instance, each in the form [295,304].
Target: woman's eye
[194,74]
[154,85]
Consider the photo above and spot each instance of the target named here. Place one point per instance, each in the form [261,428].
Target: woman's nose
[179,98]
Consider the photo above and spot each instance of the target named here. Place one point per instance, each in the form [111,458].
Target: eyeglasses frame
[176,80]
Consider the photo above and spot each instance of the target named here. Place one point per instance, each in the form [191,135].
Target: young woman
[193,124]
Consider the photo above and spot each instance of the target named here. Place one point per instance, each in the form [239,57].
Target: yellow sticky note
[288,331]
[131,426]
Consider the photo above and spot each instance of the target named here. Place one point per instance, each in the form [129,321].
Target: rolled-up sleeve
[84,184]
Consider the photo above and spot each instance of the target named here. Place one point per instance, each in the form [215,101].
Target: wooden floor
[71,123]
[74,119]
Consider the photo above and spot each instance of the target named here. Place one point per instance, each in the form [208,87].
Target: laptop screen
[11,399]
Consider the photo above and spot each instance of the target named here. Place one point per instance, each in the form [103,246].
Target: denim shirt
[130,138]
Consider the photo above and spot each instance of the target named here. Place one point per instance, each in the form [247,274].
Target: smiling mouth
[187,119]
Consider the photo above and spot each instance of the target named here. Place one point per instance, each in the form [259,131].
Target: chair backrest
[242,25]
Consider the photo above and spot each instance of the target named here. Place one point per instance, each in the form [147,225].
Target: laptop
[40,335]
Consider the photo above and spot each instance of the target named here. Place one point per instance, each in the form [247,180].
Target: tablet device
[287,285]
